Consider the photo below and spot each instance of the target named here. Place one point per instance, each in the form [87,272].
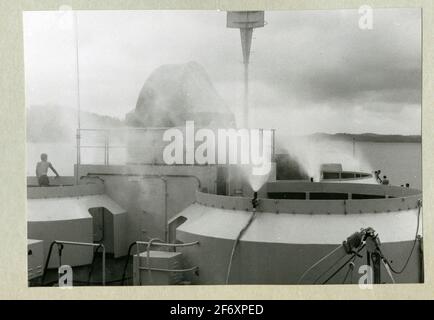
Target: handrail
[170,270]
[150,128]
[61,243]
[106,145]
[163,244]
[148,257]
[127,129]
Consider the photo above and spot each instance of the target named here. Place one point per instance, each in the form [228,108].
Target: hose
[419,204]
[318,262]
[341,267]
[328,269]
[243,230]
[126,262]
[92,265]
[351,266]
[389,272]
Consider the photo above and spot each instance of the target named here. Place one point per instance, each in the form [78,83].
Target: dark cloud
[329,59]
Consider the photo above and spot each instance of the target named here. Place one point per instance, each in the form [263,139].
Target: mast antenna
[246,21]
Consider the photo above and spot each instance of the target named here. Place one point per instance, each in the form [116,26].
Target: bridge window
[328,196]
[287,195]
[330,175]
[347,175]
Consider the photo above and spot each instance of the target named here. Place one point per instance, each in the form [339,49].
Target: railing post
[78,157]
[138,262]
[103,264]
[60,245]
[274,146]
[108,146]
[105,148]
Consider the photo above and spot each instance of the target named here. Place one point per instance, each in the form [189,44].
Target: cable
[412,248]
[252,217]
[318,262]
[351,275]
[127,262]
[328,269]
[350,270]
[355,253]
[335,263]
[388,271]
[341,267]
[95,252]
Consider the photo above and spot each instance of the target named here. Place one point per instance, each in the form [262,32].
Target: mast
[354,147]
[78,97]
[246,21]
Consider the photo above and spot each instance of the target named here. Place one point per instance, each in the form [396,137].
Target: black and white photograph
[211,147]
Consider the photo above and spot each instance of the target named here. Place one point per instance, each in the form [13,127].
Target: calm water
[401,162]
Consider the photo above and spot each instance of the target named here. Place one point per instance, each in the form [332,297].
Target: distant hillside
[175,93]
[368,137]
[59,124]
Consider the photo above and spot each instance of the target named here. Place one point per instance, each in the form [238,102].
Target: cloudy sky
[310,71]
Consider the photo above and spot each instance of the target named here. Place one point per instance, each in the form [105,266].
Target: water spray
[246,21]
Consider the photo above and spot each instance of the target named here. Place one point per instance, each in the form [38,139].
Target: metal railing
[105,144]
[119,139]
[153,242]
[148,264]
[60,245]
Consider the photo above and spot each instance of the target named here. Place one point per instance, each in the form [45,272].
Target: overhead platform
[78,218]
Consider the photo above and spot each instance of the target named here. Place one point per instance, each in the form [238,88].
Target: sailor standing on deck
[377,176]
[42,170]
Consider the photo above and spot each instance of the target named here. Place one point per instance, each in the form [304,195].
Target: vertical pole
[78,155]
[166,214]
[103,265]
[246,95]
[246,41]
[106,157]
[78,98]
[139,263]
[376,267]
[354,147]
[421,266]
[108,147]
